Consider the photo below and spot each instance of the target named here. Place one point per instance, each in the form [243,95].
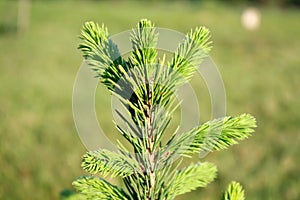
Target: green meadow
[40,150]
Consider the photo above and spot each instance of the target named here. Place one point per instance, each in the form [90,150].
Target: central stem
[150,143]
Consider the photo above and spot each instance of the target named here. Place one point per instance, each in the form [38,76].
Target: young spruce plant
[145,85]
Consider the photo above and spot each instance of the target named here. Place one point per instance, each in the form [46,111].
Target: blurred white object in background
[251,18]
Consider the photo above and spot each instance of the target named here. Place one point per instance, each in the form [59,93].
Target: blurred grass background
[40,151]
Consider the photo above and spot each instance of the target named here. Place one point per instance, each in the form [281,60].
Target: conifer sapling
[145,84]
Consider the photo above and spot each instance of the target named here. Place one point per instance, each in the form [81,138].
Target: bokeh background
[40,151]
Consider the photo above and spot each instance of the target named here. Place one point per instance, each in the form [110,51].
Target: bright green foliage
[145,84]
[191,177]
[107,162]
[217,134]
[234,192]
[96,188]
[191,53]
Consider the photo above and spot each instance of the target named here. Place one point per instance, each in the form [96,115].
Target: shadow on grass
[70,195]
[6,29]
